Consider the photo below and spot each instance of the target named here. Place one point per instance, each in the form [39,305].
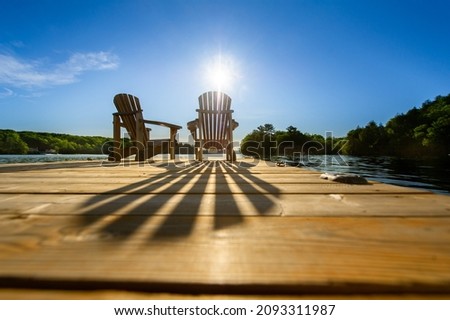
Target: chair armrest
[125,113]
[192,125]
[164,124]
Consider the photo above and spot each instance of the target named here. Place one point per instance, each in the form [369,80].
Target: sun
[221,72]
[221,76]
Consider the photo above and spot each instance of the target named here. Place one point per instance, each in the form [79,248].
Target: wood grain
[217,229]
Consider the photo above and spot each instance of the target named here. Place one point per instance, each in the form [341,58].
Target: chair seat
[129,115]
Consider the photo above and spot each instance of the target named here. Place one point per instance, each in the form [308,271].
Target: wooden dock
[215,230]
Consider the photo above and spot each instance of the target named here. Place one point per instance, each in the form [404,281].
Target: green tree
[421,131]
[370,140]
[11,143]
[260,142]
[266,128]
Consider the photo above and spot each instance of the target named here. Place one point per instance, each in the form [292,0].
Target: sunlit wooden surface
[215,229]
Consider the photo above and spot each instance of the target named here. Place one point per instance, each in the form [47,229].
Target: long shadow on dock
[175,198]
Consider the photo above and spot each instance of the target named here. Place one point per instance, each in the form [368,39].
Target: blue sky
[317,65]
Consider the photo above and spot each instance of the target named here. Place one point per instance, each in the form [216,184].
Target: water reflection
[430,174]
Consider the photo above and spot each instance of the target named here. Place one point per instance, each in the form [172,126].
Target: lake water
[11,158]
[429,174]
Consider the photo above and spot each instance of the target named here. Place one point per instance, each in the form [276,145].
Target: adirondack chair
[129,116]
[214,125]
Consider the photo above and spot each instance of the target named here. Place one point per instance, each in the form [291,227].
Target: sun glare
[221,72]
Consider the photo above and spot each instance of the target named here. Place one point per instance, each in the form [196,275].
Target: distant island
[420,132]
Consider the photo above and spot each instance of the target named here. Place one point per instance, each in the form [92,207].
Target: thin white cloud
[30,74]
[5,92]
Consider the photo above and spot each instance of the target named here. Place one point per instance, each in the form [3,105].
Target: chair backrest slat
[130,112]
[214,119]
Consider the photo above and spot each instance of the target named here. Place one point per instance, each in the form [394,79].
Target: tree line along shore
[29,142]
[419,132]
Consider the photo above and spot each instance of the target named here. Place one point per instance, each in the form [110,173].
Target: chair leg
[231,154]
[173,135]
[140,156]
[116,154]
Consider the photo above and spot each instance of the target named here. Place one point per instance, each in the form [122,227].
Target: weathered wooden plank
[38,293]
[255,167]
[132,177]
[282,254]
[99,171]
[367,205]
[185,203]
[306,182]
[213,185]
